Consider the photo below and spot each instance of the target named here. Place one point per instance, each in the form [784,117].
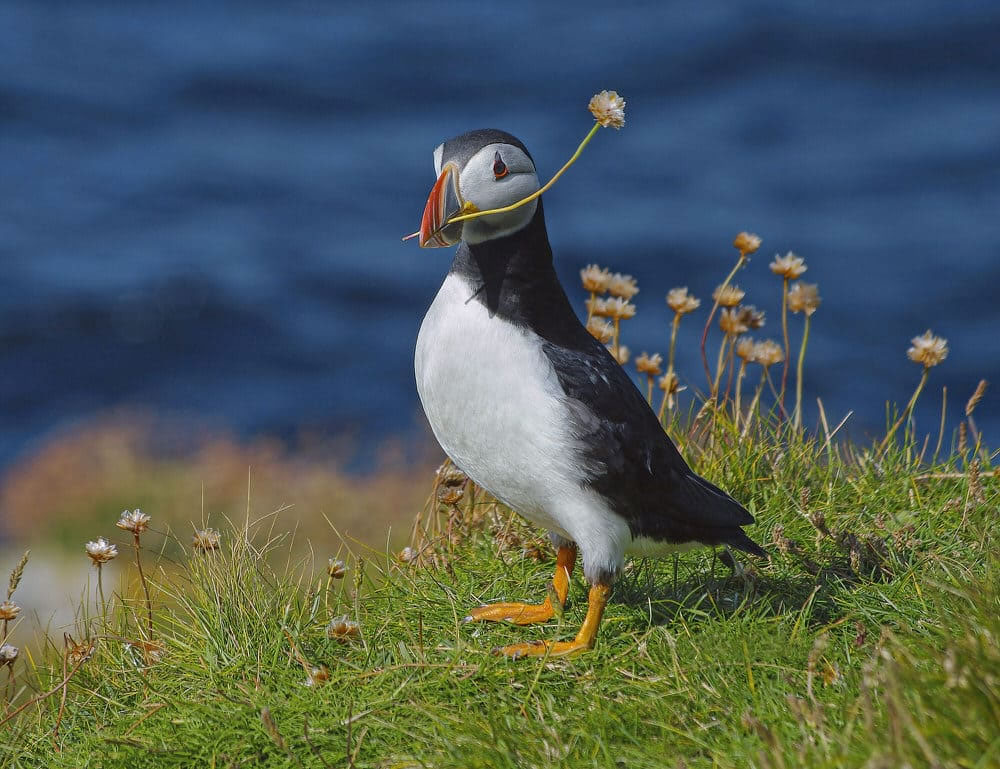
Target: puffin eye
[500,169]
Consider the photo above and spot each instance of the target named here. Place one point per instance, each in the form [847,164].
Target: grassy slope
[816,659]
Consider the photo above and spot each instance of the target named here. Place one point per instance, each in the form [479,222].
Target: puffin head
[478,171]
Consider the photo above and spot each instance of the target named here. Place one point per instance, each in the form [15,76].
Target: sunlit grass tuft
[868,636]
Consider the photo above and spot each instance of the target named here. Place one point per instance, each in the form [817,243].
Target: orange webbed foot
[585,639]
[517,613]
[543,649]
[530,614]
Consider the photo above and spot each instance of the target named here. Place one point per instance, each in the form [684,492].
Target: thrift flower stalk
[137,522]
[802,297]
[608,109]
[753,403]
[746,244]
[789,267]
[681,302]
[784,334]
[797,418]
[100,552]
[595,280]
[650,366]
[927,350]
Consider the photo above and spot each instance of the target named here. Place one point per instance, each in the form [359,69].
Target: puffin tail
[741,541]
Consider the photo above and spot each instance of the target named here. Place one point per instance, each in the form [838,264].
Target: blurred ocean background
[201,204]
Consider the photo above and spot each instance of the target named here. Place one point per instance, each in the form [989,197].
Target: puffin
[534,409]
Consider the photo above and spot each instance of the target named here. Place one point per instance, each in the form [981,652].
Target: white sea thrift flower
[649,364]
[343,629]
[595,279]
[624,286]
[8,654]
[928,350]
[601,330]
[616,307]
[101,551]
[205,540]
[135,521]
[747,242]
[9,611]
[681,302]
[788,266]
[804,297]
[767,353]
[608,109]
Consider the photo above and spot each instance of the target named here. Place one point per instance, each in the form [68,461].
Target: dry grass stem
[977,396]
[719,292]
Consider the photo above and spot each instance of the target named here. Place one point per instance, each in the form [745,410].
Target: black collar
[514,278]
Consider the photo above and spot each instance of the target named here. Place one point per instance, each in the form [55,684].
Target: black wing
[630,460]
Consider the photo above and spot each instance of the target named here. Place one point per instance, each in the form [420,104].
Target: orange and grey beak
[443,203]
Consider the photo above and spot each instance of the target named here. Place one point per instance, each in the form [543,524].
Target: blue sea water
[201,203]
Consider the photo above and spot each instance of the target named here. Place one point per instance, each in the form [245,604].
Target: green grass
[869,639]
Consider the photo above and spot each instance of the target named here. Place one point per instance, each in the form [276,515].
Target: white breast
[496,407]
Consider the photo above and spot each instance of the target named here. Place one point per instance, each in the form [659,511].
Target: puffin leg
[584,640]
[526,613]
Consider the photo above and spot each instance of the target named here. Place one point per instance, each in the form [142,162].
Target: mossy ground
[870,638]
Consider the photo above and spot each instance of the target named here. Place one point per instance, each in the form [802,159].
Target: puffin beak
[443,203]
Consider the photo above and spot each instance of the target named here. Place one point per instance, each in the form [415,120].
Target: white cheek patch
[480,186]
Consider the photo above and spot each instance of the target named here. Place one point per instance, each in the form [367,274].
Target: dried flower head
[649,364]
[601,330]
[681,302]
[728,295]
[751,317]
[152,651]
[406,555]
[8,654]
[317,676]
[450,495]
[595,279]
[450,475]
[608,109]
[746,243]
[928,350]
[623,354]
[617,307]
[788,266]
[205,540]
[730,323]
[336,568]
[623,286]
[101,551]
[745,349]
[9,611]
[135,521]
[804,297]
[343,629]
[669,383]
[598,307]
[768,352]
[78,653]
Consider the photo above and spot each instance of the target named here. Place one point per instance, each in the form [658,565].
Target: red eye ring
[500,169]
